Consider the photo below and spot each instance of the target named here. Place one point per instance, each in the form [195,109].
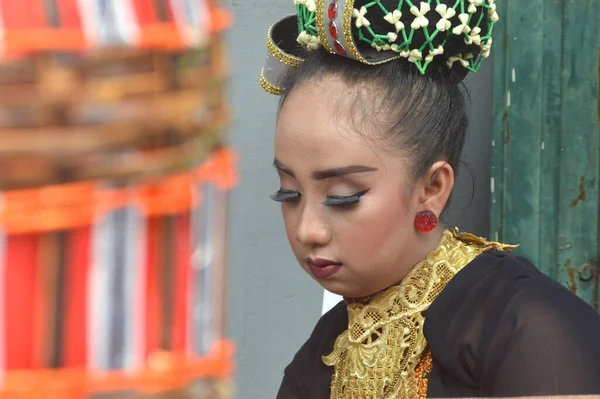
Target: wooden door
[546,147]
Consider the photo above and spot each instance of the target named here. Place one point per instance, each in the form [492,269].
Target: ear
[435,188]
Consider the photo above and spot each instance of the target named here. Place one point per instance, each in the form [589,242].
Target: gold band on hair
[321,27]
[268,87]
[348,32]
[278,53]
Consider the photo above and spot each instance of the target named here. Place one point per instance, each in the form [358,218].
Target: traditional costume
[472,319]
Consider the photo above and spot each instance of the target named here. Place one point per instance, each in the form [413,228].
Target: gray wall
[273,304]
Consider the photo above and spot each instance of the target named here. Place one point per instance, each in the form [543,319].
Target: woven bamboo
[111,115]
[114,176]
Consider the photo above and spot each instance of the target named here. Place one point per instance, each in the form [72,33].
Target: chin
[336,284]
[340,288]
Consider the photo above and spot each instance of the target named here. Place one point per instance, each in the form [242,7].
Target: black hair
[425,115]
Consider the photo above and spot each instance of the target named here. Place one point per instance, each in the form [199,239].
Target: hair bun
[431,35]
[427,33]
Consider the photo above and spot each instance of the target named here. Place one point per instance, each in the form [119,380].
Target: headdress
[454,32]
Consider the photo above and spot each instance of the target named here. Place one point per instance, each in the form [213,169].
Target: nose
[312,229]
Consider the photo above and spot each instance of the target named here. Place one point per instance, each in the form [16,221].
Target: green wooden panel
[550,99]
[580,151]
[498,132]
[520,112]
[546,154]
[523,127]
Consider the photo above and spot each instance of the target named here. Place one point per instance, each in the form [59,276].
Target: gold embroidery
[422,374]
[378,355]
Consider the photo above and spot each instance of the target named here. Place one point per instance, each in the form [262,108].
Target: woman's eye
[334,200]
[285,196]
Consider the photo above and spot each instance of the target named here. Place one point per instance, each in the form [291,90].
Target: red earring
[425,221]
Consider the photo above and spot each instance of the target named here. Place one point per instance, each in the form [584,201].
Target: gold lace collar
[378,354]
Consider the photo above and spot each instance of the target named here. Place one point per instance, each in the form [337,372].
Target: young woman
[370,131]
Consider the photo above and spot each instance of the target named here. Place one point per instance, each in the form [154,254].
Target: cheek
[290,223]
[376,230]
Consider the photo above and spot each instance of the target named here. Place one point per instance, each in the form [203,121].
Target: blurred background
[530,176]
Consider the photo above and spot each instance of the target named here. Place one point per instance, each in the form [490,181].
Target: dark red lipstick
[323,268]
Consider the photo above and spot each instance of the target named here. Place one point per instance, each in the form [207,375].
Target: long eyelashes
[332,200]
[285,195]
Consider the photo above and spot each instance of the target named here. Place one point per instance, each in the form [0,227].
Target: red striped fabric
[20,280]
[154,314]
[182,276]
[145,12]
[16,16]
[169,8]
[78,266]
[138,23]
[44,299]
[68,10]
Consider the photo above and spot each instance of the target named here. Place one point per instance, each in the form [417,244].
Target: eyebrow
[328,173]
[279,166]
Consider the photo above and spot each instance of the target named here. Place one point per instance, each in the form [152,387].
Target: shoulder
[497,300]
[335,319]
[323,336]
[495,280]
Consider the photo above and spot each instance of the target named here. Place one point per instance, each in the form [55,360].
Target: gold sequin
[268,87]
[348,32]
[321,28]
[282,56]
[378,355]
[422,374]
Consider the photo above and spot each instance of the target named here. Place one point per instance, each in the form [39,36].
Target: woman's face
[348,206]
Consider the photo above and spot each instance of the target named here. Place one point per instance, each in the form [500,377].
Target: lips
[323,268]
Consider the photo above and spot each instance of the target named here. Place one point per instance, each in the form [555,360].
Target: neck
[427,243]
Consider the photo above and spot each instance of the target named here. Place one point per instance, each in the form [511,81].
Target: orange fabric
[21,42]
[165,371]
[161,35]
[79,204]
[220,20]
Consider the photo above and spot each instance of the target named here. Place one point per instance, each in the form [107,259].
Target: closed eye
[283,195]
[335,200]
